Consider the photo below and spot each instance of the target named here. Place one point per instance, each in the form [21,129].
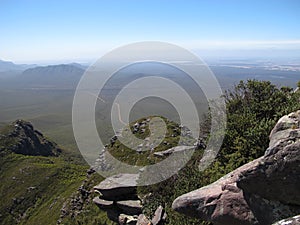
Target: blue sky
[37,30]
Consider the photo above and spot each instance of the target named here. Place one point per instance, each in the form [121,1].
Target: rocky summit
[20,137]
[261,192]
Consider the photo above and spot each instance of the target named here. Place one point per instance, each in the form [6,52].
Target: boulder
[261,192]
[103,204]
[158,216]
[118,197]
[143,220]
[118,187]
[277,177]
[218,202]
[130,207]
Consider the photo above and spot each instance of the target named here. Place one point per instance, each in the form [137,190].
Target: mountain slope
[56,76]
[34,188]
[20,137]
[9,66]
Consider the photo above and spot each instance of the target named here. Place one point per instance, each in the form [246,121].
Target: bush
[253,108]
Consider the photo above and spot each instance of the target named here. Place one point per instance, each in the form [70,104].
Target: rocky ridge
[118,194]
[20,137]
[118,197]
[152,150]
[261,192]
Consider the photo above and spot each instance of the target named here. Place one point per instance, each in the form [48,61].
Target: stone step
[130,207]
[103,204]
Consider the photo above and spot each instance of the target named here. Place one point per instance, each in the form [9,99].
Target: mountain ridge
[9,66]
[20,137]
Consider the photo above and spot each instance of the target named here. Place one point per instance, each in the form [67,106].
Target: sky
[61,30]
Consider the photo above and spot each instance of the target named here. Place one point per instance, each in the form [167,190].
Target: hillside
[37,177]
[6,66]
[20,137]
[43,184]
[251,117]
[53,77]
[56,76]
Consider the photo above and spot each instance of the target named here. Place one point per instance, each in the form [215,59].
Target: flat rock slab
[118,187]
[173,150]
[103,204]
[158,215]
[143,220]
[290,221]
[131,207]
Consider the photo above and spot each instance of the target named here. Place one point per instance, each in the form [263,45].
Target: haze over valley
[43,94]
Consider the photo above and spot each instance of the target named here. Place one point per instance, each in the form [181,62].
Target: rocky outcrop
[118,187]
[80,199]
[277,177]
[21,137]
[261,192]
[118,197]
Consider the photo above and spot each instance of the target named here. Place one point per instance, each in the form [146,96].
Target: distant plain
[27,94]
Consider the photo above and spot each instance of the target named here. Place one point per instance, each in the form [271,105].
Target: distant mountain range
[10,66]
[32,76]
[64,75]
[68,75]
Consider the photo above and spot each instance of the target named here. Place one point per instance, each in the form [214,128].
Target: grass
[90,213]
[33,189]
[130,156]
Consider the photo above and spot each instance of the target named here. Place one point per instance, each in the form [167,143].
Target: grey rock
[143,220]
[173,150]
[289,221]
[286,122]
[158,216]
[131,207]
[103,204]
[219,201]
[118,187]
[277,177]
[261,192]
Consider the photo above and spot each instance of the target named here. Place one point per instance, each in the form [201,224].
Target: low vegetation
[34,189]
[253,108]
